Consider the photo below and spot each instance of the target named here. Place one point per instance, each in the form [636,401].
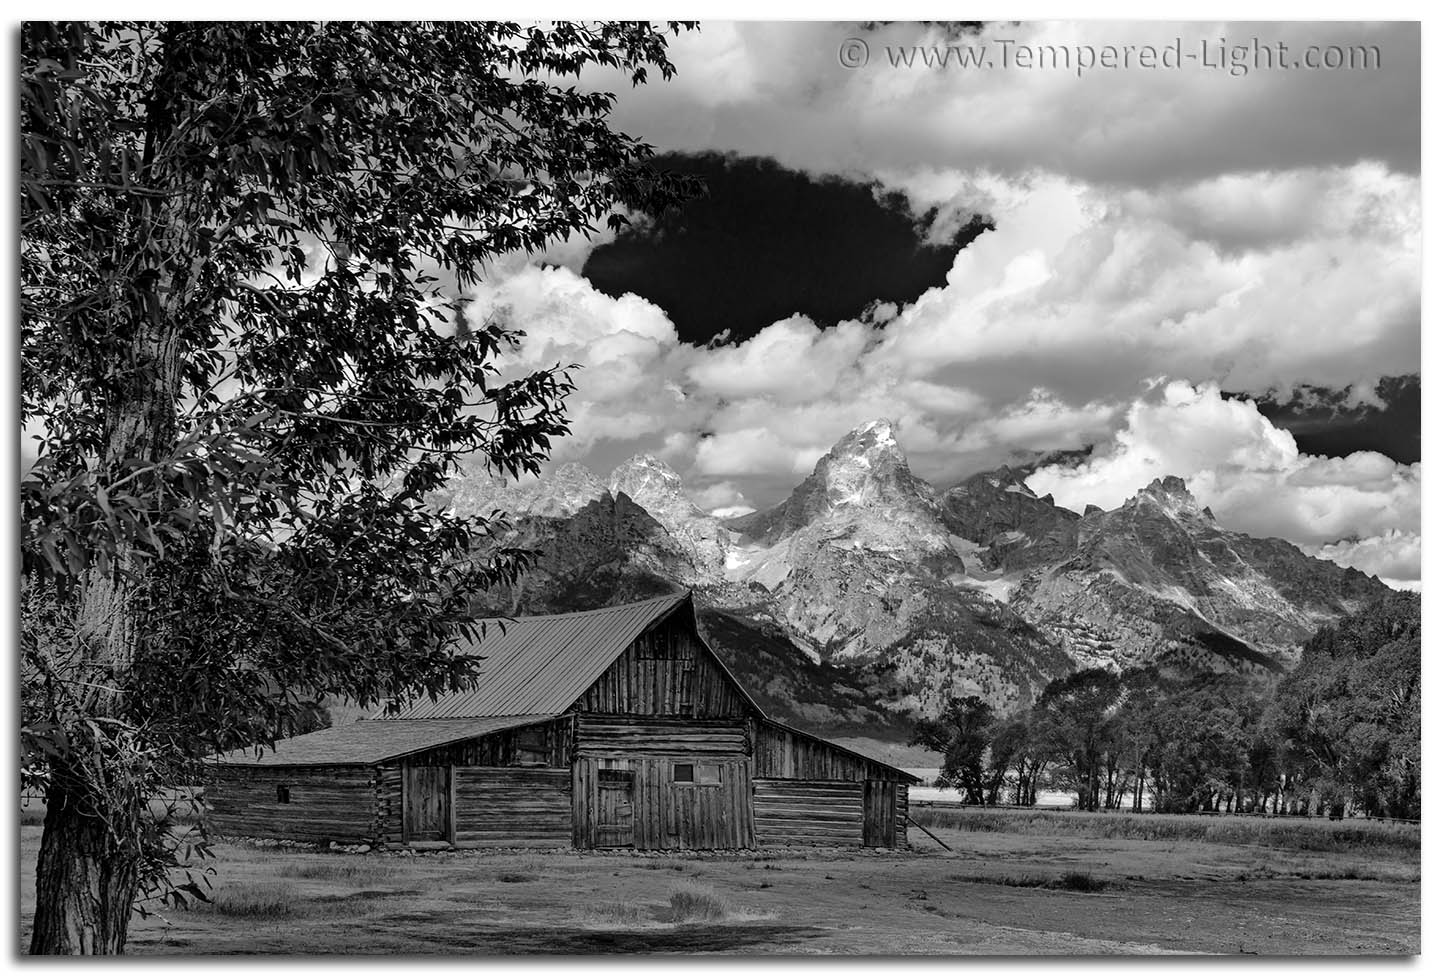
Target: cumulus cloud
[1395,556]
[1254,479]
[1085,290]
[779,90]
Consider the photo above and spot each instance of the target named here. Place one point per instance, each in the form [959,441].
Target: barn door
[879,814]
[615,811]
[426,795]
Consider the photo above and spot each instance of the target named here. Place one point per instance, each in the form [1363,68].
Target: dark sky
[766,243]
[1321,425]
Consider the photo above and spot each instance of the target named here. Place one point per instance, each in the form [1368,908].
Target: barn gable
[640,658]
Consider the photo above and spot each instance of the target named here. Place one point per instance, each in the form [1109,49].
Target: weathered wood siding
[903,810]
[512,807]
[666,671]
[783,753]
[666,815]
[624,735]
[790,811]
[879,812]
[326,803]
[544,744]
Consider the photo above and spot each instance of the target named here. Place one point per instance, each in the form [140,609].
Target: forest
[1338,735]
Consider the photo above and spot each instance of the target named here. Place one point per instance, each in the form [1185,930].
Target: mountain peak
[872,437]
[865,470]
[645,474]
[1170,485]
[1171,494]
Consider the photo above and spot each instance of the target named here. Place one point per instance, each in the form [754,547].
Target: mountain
[1016,529]
[1159,581]
[866,596]
[860,567]
[652,484]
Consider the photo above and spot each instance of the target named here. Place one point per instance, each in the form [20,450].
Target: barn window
[531,747]
[282,794]
[696,774]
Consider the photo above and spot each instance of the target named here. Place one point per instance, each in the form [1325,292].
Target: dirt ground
[989,896]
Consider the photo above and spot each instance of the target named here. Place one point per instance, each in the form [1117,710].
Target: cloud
[1084,290]
[779,90]
[1395,556]
[1254,479]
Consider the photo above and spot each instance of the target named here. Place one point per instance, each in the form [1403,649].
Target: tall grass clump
[698,903]
[262,900]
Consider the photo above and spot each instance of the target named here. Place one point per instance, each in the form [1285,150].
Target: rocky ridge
[897,597]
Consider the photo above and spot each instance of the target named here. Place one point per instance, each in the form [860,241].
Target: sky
[1211,270]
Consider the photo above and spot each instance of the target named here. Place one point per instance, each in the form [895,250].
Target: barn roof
[366,742]
[538,665]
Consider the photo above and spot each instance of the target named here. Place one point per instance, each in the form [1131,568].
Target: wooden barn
[611,728]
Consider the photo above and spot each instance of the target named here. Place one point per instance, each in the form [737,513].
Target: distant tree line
[1340,733]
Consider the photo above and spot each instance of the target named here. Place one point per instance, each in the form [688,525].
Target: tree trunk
[85,882]
[86,879]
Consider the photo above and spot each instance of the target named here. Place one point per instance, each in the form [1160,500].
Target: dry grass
[258,900]
[1326,836]
[350,869]
[621,914]
[692,902]
[1070,881]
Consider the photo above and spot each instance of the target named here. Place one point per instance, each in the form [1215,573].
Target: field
[1014,882]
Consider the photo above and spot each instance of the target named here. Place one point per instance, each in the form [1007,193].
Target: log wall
[512,807]
[388,809]
[808,812]
[327,803]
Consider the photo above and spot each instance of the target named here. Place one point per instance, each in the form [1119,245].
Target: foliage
[243,246]
[1076,716]
[1350,715]
[961,735]
[1340,733]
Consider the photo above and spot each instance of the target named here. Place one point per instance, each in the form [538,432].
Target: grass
[616,913]
[259,900]
[1325,836]
[1070,881]
[290,901]
[357,870]
[699,903]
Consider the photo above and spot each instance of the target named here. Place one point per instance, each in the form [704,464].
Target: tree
[962,735]
[242,251]
[1015,749]
[1349,717]
[1076,717]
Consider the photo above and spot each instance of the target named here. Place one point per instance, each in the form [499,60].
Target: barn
[609,728]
